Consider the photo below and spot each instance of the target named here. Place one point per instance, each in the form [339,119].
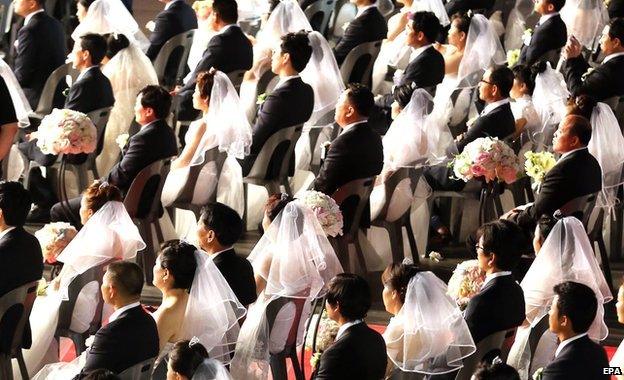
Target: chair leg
[245,205]
[412,240]
[296,365]
[79,343]
[278,367]
[396,242]
[22,365]
[360,254]
[606,267]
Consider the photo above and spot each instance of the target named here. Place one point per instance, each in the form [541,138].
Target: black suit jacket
[288,105]
[497,307]
[93,91]
[238,272]
[359,353]
[228,51]
[368,27]
[616,9]
[40,50]
[124,342]
[497,123]
[579,359]
[426,70]
[355,153]
[602,83]
[179,18]
[575,175]
[550,35]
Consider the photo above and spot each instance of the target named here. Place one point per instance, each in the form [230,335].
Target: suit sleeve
[472,315]
[133,160]
[477,130]
[349,40]
[26,59]
[162,32]
[541,44]
[332,169]
[556,371]
[268,118]
[547,200]
[330,360]
[99,354]
[73,101]
[596,84]
[209,60]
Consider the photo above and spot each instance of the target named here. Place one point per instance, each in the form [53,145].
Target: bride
[107,234]
[295,261]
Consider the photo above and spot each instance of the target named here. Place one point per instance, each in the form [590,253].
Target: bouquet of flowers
[54,237]
[487,158]
[66,131]
[465,282]
[326,210]
[513,56]
[325,336]
[122,140]
[538,164]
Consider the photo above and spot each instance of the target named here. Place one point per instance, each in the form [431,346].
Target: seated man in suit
[229,50]
[577,173]
[219,227]
[292,100]
[571,314]
[155,141]
[130,336]
[550,32]
[39,49]
[499,306]
[358,351]
[356,153]
[605,81]
[367,26]
[91,91]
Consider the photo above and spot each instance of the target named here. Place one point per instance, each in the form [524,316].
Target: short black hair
[100,374]
[581,105]
[506,239]
[502,77]
[15,202]
[463,21]
[185,358]
[156,98]
[224,221]
[275,204]
[577,302]
[427,23]
[95,44]
[402,94]
[558,4]
[297,45]
[527,74]
[178,257]
[127,276]
[580,127]
[616,29]
[495,371]
[84,3]
[352,293]
[360,98]
[115,43]
[226,10]
[545,224]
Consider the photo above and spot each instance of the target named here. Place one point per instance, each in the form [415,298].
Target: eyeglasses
[484,81]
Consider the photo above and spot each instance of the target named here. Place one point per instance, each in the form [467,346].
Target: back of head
[545,224]
[297,45]
[178,258]
[156,98]
[557,4]
[95,44]
[495,371]
[579,127]
[127,278]
[502,77]
[427,23]
[398,276]
[99,193]
[85,3]
[352,293]
[275,204]
[461,21]
[577,302]
[616,29]
[205,82]
[224,221]
[15,203]
[402,94]
[115,43]
[226,10]
[186,356]
[360,98]
[582,105]
[101,374]
[505,239]
[527,74]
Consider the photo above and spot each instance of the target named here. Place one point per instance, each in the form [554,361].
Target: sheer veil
[211,369]
[585,20]
[429,334]
[20,103]
[549,99]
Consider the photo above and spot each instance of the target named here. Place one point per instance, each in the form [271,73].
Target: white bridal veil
[20,103]
[549,99]
[585,20]
[211,369]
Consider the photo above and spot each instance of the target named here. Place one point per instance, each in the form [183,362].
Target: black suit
[497,307]
[604,82]
[176,19]
[228,51]
[40,50]
[426,70]
[355,153]
[499,122]
[575,175]
[359,353]
[550,35]
[124,342]
[616,8]
[291,103]
[458,6]
[368,27]
[21,262]
[579,359]
[238,272]
[91,92]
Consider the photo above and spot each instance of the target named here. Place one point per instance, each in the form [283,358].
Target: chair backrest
[140,371]
[318,13]
[580,207]
[392,183]
[268,153]
[536,334]
[18,302]
[190,187]
[100,119]
[363,55]
[46,101]
[66,310]
[236,77]
[360,189]
[273,309]
[6,16]
[490,343]
[148,185]
[182,40]
[344,12]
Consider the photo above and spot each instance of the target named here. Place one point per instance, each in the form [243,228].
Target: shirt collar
[6,231]
[568,341]
[492,106]
[492,276]
[611,56]
[283,80]
[348,126]
[218,253]
[27,18]
[83,72]
[226,28]
[419,51]
[119,311]
[344,328]
[170,4]
[364,9]
[545,18]
[570,152]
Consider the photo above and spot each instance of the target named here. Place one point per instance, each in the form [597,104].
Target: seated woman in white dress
[427,333]
[527,119]
[107,234]
[296,261]
[453,52]
[566,255]
[189,359]
[618,357]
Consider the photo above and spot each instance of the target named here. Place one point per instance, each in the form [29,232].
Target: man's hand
[175,91]
[572,49]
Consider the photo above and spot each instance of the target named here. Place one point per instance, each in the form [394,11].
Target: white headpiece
[20,103]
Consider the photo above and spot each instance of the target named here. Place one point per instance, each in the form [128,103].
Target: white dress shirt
[545,18]
[348,126]
[568,341]
[611,56]
[218,253]
[344,327]
[168,5]
[419,51]
[6,232]
[570,152]
[283,80]
[492,106]
[27,18]
[119,311]
[83,72]
[364,9]
[492,276]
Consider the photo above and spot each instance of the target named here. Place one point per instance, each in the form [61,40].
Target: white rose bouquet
[66,131]
[326,210]
[53,238]
[465,282]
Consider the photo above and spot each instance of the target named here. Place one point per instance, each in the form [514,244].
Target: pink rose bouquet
[487,158]
[465,282]
[53,238]
[326,210]
[67,132]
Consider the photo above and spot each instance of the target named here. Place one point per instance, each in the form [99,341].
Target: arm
[330,361]
[189,150]
[541,43]
[209,59]
[73,101]
[547,201]
[333,168]
[268,119]
[25,59]
[162,32]
[100,353]
[133,160]
[574,70]
[350,39]
[474,132]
